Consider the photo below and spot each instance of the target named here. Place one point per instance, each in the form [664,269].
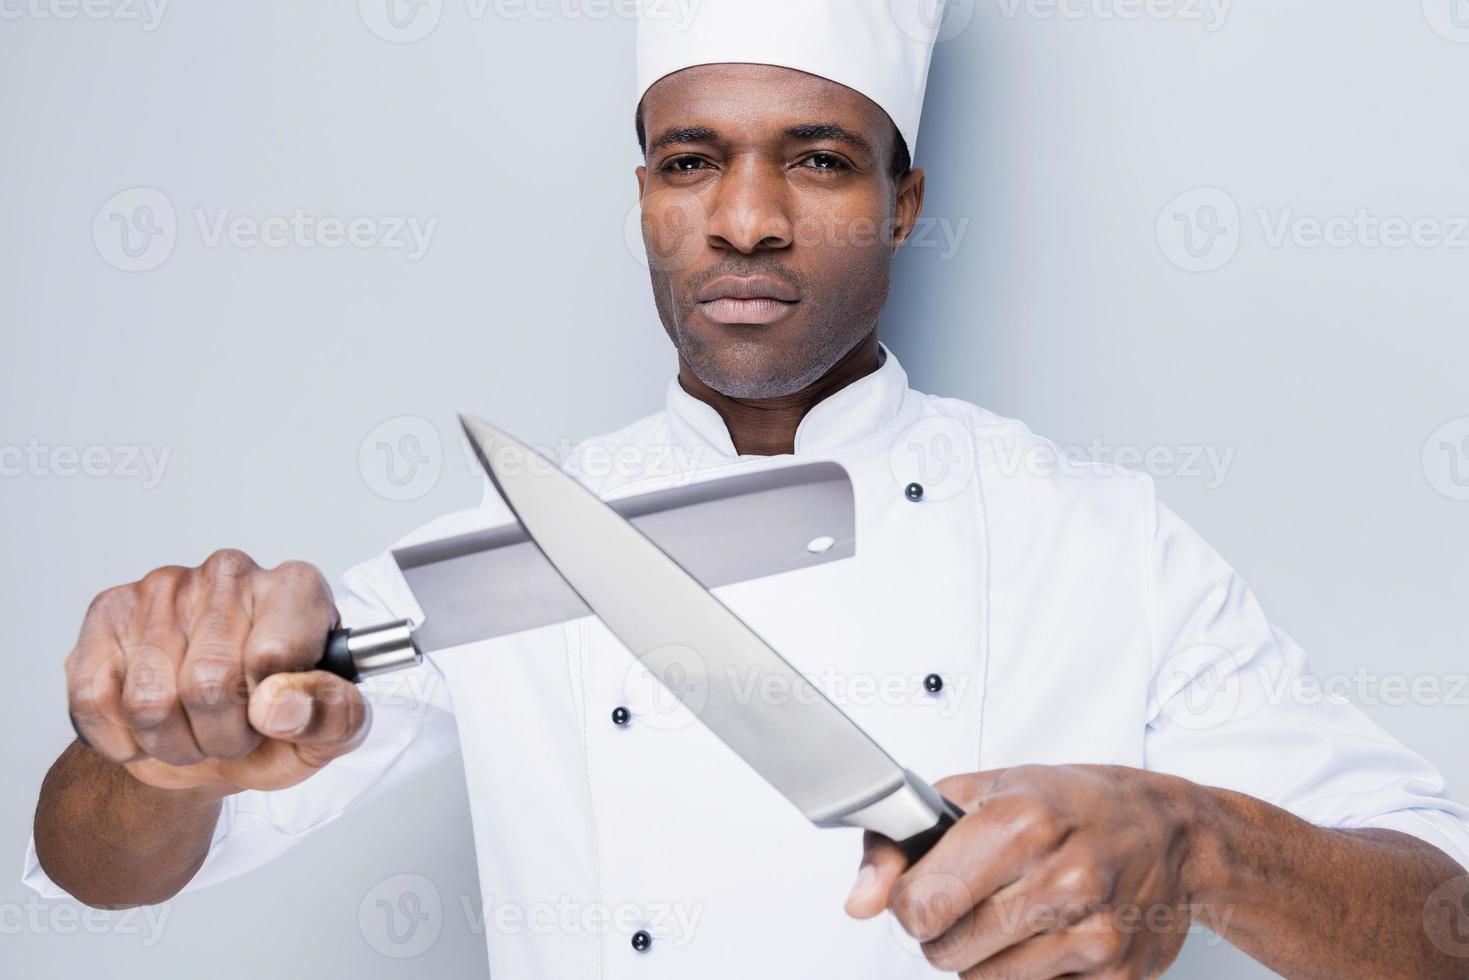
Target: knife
[495,581]
[804,746]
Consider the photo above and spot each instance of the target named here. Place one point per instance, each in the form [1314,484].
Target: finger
[990,848]
[1053,896]
[294,613]
[94,674]
[150,684]
[321,714]
[211,677]
[1084,949]
[882,864]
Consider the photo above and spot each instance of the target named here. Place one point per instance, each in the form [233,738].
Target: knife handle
[920,844]
[913,815]
[357,654]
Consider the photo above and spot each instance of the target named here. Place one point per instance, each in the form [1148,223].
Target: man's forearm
[1310,902]
[114,842]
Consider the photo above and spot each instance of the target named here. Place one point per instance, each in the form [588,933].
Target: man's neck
[767,426]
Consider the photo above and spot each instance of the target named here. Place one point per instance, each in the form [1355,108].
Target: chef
[1133,743]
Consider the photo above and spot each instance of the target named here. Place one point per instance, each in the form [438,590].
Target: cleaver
[496,581]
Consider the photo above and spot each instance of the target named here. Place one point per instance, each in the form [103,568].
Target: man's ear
[642,175]
[909,206]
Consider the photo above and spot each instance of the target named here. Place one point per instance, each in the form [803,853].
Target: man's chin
[749,365]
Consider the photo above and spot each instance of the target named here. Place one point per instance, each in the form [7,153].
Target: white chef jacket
[1070,617]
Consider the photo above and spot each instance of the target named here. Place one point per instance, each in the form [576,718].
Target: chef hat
[881,48]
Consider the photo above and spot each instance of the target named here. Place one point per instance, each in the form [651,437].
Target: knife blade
[802,745]
[494,581]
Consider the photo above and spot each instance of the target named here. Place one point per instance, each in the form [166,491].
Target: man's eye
[682,165]
[827,161]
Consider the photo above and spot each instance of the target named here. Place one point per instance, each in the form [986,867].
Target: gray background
[1054,144]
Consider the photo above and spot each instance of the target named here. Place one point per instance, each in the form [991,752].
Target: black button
[641,940]
[914,491]
[933,683]
[621,716]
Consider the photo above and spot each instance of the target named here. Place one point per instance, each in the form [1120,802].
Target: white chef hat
[881,48]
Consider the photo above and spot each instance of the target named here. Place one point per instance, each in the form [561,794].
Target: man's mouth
[730,310]
[750,300]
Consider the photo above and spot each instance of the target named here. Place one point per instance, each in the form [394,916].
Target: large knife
[495,581]
[803,745]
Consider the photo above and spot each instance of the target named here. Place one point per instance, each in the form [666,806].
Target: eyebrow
[803,131]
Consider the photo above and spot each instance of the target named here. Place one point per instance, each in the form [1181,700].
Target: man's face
[770,217]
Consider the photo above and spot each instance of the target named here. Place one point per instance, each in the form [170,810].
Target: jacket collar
[846,416]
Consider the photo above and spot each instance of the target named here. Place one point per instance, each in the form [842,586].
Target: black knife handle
[920,844]
[357,654]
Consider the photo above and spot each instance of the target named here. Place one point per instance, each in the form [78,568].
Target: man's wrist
[1201,820]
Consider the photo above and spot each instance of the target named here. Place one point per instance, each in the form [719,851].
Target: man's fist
[1054,871]
[199,677]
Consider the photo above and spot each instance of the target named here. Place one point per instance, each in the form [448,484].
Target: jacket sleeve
[1235,705]
[412,728]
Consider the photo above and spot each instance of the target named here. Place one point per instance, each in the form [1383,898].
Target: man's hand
[1054,871]
[196,678]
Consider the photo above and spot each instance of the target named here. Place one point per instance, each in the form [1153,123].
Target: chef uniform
[1003,608]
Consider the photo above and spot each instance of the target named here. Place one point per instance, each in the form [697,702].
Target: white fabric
[1073,618]
[881,48]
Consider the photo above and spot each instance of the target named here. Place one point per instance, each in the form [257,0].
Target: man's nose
[750,209]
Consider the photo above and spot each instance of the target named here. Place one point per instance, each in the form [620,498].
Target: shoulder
[1027,473]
